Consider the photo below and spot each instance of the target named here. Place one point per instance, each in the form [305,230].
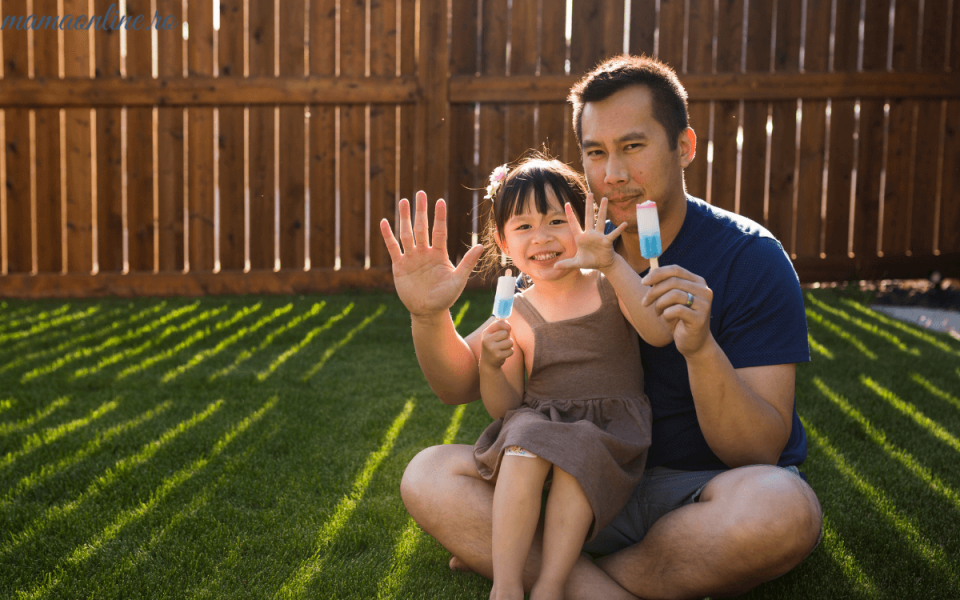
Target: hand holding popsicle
[594,248]
[427,282]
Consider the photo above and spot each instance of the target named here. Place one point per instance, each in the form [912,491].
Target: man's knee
[771,510]
[782,515]
[428,473]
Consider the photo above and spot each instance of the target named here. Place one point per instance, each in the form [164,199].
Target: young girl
[582,413]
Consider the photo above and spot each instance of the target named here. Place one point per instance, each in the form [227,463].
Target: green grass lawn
[253,447]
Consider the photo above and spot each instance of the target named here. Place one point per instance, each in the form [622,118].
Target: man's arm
[448,361]
[745,414]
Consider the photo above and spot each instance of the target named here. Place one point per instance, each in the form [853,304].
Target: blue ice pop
[503,304]
[648,226]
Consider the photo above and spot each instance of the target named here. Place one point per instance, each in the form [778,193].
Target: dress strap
[607,293]
[527,310]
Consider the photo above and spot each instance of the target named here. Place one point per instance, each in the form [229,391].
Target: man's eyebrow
[631,136]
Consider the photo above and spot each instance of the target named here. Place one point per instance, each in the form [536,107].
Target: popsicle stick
[654,263]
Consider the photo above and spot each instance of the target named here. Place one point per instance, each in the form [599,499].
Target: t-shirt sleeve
[763,320]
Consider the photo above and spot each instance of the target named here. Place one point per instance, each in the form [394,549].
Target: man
[714,514]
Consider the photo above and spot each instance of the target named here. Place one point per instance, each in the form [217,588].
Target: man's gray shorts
[660,491]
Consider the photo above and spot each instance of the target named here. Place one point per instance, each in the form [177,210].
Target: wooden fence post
[432,147]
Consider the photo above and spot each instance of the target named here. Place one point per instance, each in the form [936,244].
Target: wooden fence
[253,145]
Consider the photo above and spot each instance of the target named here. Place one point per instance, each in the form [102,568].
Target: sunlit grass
[161,484]
[329,352]
[84,352]
[815,317]
[909,410]
[903,524]
[880,439]
[42,413]
[75,341]
[108,478]
[297,584]
[242,332]
[52,434]
[49,470]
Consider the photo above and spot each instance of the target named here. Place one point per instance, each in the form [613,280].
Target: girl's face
[536,242]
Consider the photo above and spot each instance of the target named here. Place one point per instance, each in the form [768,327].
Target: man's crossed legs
[748,526]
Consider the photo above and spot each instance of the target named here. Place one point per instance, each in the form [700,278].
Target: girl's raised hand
[594,248]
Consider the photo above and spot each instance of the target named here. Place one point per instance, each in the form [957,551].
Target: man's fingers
[393,247]
[406,228]
[421,232]
[440,225]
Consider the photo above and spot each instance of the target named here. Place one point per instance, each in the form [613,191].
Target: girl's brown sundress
[583,409]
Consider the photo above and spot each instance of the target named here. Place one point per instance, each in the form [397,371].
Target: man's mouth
[544,256]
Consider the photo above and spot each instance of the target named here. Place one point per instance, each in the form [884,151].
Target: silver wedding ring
[689,299]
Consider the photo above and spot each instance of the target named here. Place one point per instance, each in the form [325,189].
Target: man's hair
[620,72]
[527,182]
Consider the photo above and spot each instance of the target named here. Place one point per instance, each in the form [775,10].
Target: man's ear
[687,146]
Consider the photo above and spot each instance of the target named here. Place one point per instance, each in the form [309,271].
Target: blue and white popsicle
[648,226]
[503,303]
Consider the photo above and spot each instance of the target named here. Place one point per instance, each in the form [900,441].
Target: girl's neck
[574,284]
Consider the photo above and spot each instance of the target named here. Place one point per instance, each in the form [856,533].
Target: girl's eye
[558,222]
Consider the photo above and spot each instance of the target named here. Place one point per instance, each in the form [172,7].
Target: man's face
[627,156]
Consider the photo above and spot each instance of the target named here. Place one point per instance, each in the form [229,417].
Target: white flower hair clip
[496,180]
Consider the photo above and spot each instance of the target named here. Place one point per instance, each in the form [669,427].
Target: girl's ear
[500,243]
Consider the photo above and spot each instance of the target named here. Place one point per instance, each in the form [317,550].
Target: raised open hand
[426,280]
[594,248]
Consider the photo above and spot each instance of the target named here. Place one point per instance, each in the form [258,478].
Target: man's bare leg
[750,526]
[444,494]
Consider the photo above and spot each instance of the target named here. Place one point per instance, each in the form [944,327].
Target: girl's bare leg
[568,518]
[516,511]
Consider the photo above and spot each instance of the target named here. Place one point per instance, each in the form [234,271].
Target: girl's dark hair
[533,173]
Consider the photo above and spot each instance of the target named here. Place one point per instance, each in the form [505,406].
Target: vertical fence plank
[753,174]
[871,157]
[783,144]
[671,42]
[352,138]
[812,134]
[109,160]
[408,66]
[643,23]
[292,142]
[727,113]
[493,61]
[949,239]
[49,206]
[463,175]
[521,133]
[929,123]
[140,202]
[897,198]
[230,139]
[383,127]
[170,141]
[842,142]
[322,181]
[433,110]
[79,209]
[553,56]
[17,149]
[699,60]
[200,63]
[260,140]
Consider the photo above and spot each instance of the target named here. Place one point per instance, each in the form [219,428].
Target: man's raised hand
[426,280]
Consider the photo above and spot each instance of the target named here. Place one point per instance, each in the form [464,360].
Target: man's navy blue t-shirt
[757,318]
